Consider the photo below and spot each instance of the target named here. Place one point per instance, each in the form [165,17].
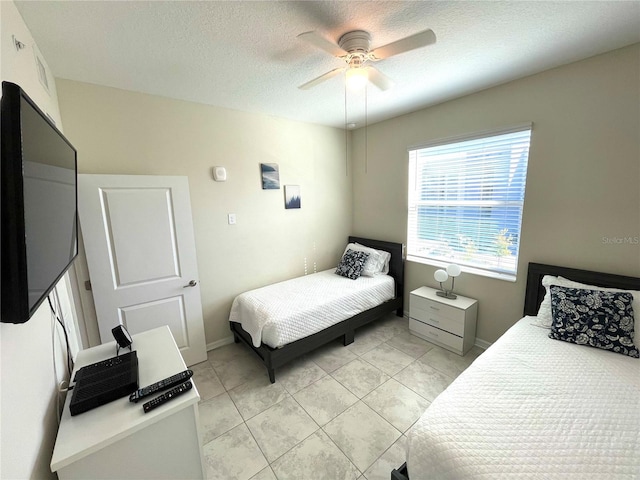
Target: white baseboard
[219,343]
[483,344]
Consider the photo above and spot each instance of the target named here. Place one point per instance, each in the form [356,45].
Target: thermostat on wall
[219,174]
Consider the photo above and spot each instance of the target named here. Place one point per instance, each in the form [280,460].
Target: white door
[138,236]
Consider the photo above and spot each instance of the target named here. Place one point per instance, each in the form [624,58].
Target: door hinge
[87,285]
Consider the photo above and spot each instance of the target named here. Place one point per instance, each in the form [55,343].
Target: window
[465,201]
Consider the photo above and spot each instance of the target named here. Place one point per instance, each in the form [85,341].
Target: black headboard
[396,264]
[535,291]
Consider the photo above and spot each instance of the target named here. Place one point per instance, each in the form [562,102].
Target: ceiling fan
[354,49]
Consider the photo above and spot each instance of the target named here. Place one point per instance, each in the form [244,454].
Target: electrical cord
[66,336]
[62,386]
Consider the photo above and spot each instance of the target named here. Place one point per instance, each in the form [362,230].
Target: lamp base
[449,295]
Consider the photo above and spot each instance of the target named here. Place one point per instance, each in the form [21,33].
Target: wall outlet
[232,218]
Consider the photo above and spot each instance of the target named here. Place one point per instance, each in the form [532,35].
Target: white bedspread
[287,311]
[533,407]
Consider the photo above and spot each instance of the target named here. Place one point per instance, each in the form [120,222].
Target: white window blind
[466,198]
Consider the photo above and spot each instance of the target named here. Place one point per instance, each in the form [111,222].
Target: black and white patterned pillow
[595,318]
[352,264]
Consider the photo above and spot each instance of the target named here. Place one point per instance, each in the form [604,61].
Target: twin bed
[286,320]
[533,407]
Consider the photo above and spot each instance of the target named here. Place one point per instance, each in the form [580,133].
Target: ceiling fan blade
[321,78]
[379,79]
[322,43]
[412,42]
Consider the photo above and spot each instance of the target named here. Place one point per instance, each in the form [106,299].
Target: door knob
[192,283]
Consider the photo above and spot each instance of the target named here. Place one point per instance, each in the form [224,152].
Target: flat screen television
[38,191]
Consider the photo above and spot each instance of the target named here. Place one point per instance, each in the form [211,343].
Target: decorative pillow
[595,318]
[352,264]
[544,318]
[374,262]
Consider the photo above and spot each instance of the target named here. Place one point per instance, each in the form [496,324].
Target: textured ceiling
[245,55]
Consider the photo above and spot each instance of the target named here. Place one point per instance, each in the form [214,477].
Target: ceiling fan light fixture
[357,78]
[354,48]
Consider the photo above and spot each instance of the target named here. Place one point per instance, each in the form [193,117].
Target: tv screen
[39,205]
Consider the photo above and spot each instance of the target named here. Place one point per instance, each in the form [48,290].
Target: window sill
[507,277]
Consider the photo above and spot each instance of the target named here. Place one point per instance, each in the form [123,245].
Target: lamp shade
[454,270]
[440,276]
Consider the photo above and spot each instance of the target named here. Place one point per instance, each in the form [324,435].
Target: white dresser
[118,440]
[448,323]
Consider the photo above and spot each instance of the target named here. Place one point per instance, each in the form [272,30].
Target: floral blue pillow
[593,317]
[352,264]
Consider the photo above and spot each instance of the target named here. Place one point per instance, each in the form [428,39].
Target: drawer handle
[432,334]
[434,308]
[434,320]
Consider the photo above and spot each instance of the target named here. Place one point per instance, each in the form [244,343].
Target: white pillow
[385,258]
[544,318]
[377,261]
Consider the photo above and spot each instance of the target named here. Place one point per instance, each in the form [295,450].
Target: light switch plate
[232,218]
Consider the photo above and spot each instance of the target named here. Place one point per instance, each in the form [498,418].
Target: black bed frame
[534,294]
[276,357]
[535,291]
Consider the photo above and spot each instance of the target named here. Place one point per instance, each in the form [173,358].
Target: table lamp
[442,276]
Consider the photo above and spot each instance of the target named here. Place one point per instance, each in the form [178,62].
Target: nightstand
[450,324]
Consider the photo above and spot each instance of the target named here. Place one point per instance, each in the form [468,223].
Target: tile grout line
[387,422]
[249,429]
[338,446]
[412,361]
[321,428]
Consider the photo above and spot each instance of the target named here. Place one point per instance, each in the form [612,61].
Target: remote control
[168,382]
[165,397]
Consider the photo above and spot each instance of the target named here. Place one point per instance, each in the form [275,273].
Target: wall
[29,382]
[583,174]
[123,132]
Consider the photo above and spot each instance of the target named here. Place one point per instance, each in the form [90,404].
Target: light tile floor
[336,413]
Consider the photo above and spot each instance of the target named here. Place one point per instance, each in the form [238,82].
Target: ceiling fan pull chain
[366,138]
[346,134]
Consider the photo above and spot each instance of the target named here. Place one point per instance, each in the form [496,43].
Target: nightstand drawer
[436,308]
[453,326]
[436,335]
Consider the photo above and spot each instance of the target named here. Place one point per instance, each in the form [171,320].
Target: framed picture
[292,196]
[270,176]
